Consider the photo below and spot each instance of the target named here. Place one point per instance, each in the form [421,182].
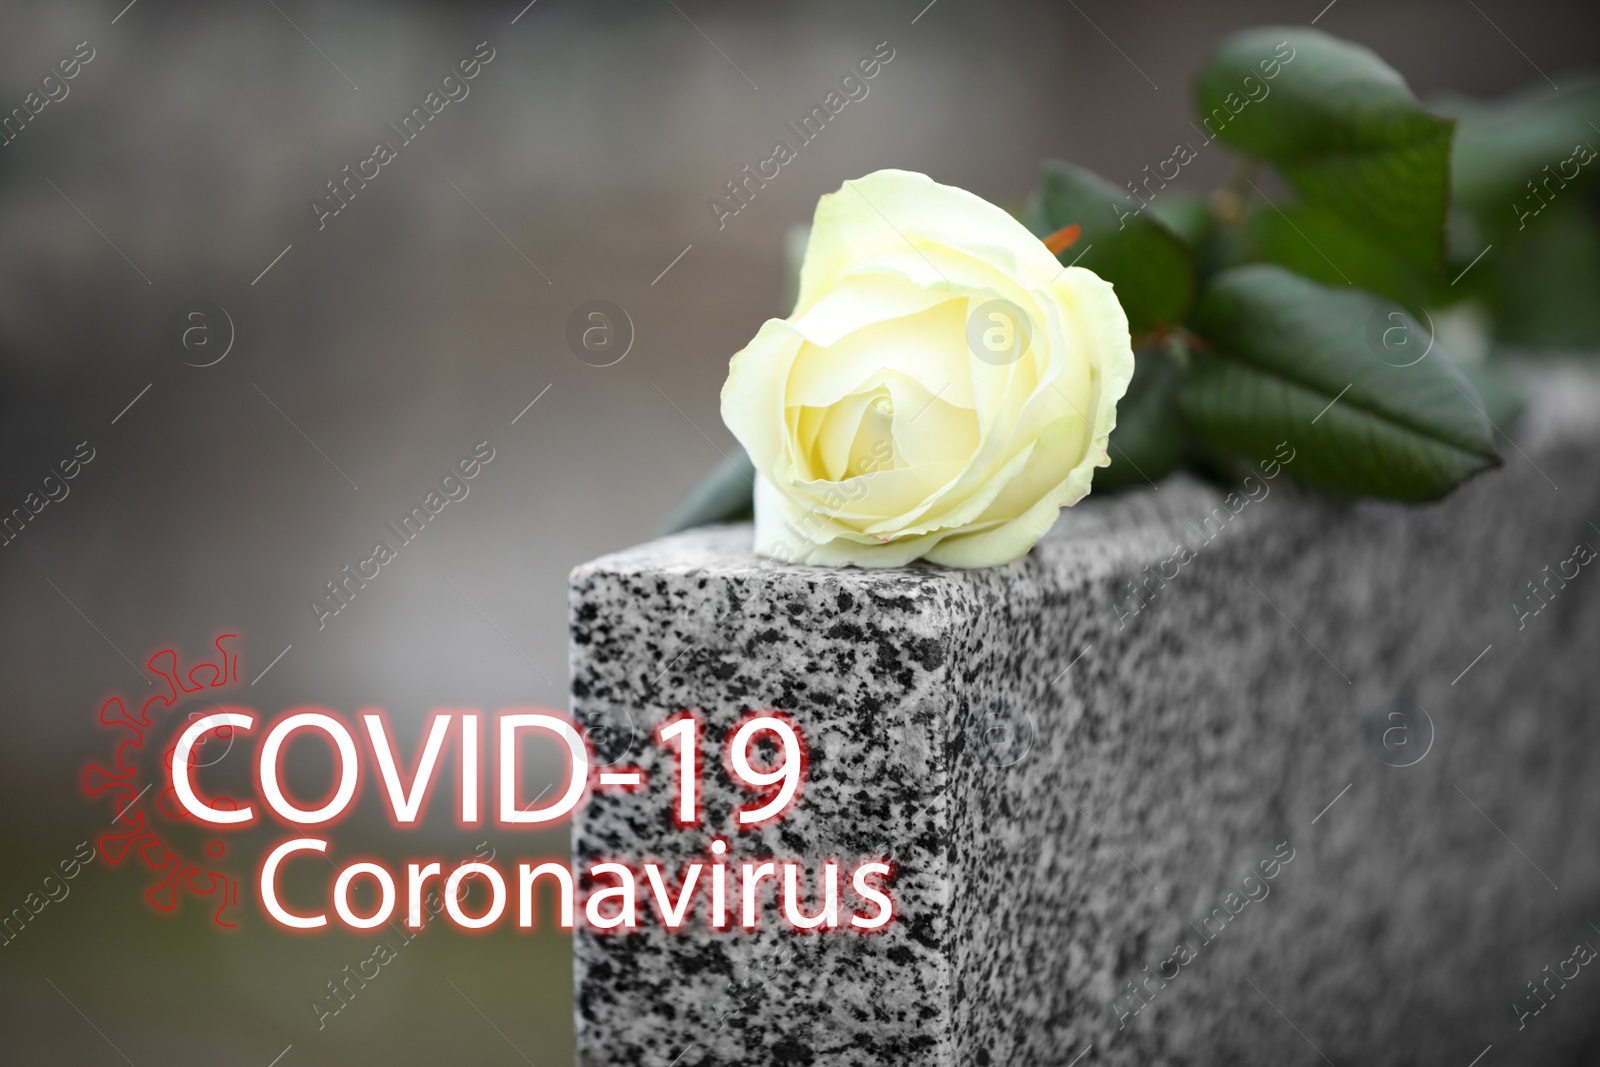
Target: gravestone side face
[1145,806]
[864,672]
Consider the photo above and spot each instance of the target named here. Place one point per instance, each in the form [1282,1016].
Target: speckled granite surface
[1070,789]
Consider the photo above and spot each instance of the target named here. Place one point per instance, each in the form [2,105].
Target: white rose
[900,412]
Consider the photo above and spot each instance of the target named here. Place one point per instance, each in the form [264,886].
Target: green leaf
[1525,171]
[1313,369]
[1149,265]
[1186,214]
[1503,399]
[1500,148]
[1148,440]
[727,494]
[1341,127]
[1324,247]
[1543,283]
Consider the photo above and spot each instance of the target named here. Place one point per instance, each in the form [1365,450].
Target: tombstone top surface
[1563,406]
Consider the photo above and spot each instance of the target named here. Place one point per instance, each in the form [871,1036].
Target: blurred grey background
[422,319]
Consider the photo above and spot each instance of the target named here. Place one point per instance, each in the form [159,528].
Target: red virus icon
[119,784]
